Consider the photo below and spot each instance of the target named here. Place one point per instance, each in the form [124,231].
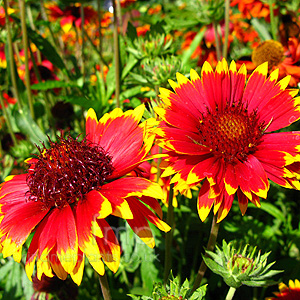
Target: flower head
[238,267]
[291,292]
[69,190]
[220,130]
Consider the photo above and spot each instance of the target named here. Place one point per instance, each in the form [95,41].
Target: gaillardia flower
[291,292]
[70,189]
[220,130]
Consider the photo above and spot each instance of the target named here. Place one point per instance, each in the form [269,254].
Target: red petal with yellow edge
[95,205]
[225,206]
[178,119]
[243,201]
[237,85]
[204,203]
[138,208]
[281,112]
[276,174]
[153,203]
[230,181]
[202,169]
[20,220]
[202,101]
[273,157]
[15,183]
[281,141]
[141,227]
[132,186]
[67,242]
[77,272]
[56,265]
[252,177]
[187,93]
[109,246]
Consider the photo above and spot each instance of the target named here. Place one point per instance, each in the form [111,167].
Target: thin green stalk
[169,235]
[11,57]
[273,20]
[218,47]
[82,41]
[102,61]
[25,46]
[29,13]
[7,119]
[105,287]
[210,246]
[116,55]
[100,50]
[227,11]
[119,12]
[230,293]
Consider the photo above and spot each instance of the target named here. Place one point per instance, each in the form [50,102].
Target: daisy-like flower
[291,292]
[220,130]
[70,189]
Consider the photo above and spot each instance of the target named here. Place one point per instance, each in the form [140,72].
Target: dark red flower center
[231,134]
[67,171]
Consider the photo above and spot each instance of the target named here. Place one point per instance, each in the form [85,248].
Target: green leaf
[195,43]
[46,48]
[272,210]
[81,101]
[52,84]
[261,29]
[28,126]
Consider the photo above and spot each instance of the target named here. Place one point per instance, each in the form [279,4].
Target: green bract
[239,267]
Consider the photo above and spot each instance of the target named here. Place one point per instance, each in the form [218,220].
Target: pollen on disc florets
[231,133]
[67,171]
[270,51]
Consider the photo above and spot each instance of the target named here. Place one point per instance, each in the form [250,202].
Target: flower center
[67,171]
[231,134]
[270,51]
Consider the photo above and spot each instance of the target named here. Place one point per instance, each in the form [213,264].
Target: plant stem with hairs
[82,41]
[7,119]
[273,20]
[11,57]
[105,287]
[25,46]
[227,16]
[218,47]
[230,293]
[210,246]
[169,235]
[116,55]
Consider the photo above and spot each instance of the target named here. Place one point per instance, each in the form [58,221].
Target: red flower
[291,292]
[221,132]
[70,189]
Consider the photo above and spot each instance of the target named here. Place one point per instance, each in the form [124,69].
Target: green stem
[116,55]
[230,293]
[218,47]
[11,57]
[169,235]
[272,20]
[25,46]
[100,50]
[7,119]
[105,287]
[227,16]
[210,246]
[82,41]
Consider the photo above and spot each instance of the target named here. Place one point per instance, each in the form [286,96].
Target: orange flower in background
[3,63]
[291,292]
[252,8]
[154,10]
[69,190]
[275,54]
[220,131]
[125,3]
[71,15]
[142,30]
[8,99]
